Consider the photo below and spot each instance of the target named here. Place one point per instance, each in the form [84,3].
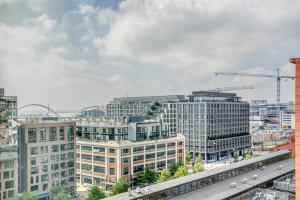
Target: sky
[76,53]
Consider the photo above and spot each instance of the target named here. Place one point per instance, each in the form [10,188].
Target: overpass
[216,184]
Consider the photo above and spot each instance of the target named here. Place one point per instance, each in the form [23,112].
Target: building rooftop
[288,165]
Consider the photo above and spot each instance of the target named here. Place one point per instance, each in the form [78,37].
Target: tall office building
[8,147]
[215,124]
[107,152]
[46,157]
[297,125]
[133,106]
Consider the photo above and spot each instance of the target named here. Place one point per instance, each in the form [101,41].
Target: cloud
[77,54]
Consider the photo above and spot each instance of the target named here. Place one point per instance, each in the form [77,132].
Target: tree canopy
[119,187]
[95,193]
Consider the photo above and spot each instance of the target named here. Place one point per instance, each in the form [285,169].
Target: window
[55,148]
[171,144]
[6,175]
[42,134]
[138,149]
[150,147]
[138,158]
[31,135]
[34,170]
[138,168]
[86,157]
[99,158]
[34,188]
[53,134]
[125,171]
[86,148]
[125,160]
[112,171]
[45,169]
[70,146]
[150,156]
[161,146]
[34,150]
[70,133]
[63,147]
[99,149]
[171,152]
[112,150]
[61,133]
[45,187]
[112,160]
[33,161]
[125,151]
[44,159]
[99,169]
[86,167]
[9,184]
[161,154]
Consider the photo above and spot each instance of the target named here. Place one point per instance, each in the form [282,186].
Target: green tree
[147,177]
[173,168]
[181,171]
[199,167]
[95,193]
[60,193]
[164,176]
[188,156]
[27,196]
[119,187]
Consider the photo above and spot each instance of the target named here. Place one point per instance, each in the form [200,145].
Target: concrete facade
[106,153]
[46,157]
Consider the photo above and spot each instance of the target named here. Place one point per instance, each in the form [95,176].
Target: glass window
[86,148]
[161,145]
[53,134]
[34,150]
[125,160]
[150,156]
[62,133]
[112,160]
[86,157]
[70,133]
[31,135]
[112,150]
[86,167]
[138,158]
[150,147]
[99,169]
[55,148]
[125,151]
[99,149]
[42,134]
[33,161]
[99,158]
[112,171]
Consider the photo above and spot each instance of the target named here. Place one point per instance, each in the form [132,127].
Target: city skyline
[141,48]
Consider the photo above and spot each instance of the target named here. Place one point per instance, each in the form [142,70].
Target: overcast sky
[76,53]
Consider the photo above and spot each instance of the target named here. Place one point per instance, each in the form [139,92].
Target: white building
[287,120]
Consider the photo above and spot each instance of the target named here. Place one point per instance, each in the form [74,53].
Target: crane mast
[278,78]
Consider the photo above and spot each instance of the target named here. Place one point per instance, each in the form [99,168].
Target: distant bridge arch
[41,106]
[90,108]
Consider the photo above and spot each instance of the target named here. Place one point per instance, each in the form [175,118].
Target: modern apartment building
[8,147]
[133,106]
[215,124]
[46,157]
[108,152]
[287,119]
